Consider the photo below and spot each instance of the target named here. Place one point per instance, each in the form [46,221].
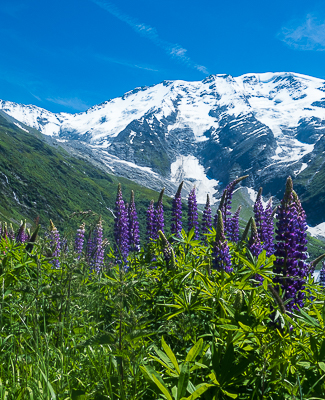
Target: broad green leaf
[195,350]
[322,365]
[231,395]
[162,387]
[170,354]
[184,377]
[261,259]
[195,395]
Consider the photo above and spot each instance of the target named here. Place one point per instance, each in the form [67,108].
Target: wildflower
[134,233]
[192,214]
[22,236]
[254,243]
[176,227]
[290,248]
[221,250]
[206,219]
[225,204]
[159,214]
[322,275]
[234,226]
[168,251]
[151,222]
[121,232]
[98,258]
[79,240]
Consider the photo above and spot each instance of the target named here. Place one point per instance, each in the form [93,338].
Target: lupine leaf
[170,354]
[195,351]
[162,387]
[184,377]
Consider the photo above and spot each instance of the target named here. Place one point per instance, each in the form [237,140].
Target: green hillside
[40,180]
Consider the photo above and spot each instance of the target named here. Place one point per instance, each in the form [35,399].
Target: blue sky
[70,55]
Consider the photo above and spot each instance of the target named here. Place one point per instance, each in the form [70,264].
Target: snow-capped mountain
[268,125]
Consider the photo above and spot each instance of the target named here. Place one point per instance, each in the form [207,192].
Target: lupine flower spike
[192,217]
[159,214]
[234,226]
[134,233]
[206,225]
[176,227]
[289,249]
[56,244]
[79,240]
[168,251]
[322,275]
[22,236]
[254,243]
[121,229]
[151,231]
[225,205]
[221,253]
[98,246]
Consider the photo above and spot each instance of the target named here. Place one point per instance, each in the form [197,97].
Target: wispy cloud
[73,103]
[173,50]
[124,63]
[307,34]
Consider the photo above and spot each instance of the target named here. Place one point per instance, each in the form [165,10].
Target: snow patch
[318,230]
[20,127]
[189,168]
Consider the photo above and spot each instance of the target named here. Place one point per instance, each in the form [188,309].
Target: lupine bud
[151,231]
[11,232]
[267,238]
[56,244]
[22,236]
[176,227]
[90,249]
[159,214]
[239,300]
[79,240]
[221,250]
[134,233]
[206,219]
[168,251]
[254,243]
[192,216]
[121,231]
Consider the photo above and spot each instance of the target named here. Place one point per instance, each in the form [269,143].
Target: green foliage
[152,332]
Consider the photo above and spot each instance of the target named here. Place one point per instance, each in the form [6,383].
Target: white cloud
[307,34]
[172,49]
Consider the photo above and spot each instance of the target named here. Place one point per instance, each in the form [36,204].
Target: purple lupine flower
[322,275]
[225,204]
[98,258]
[90,249]
[151,228]
[254,243]
[134,233]
[159,221]
[176,227]
[221,255]
[79,240]
[192,216]
[234,227]
[267,238]
[22,236]
[289,249]
[121,231]
[206,225]
[259,215]
[56,244]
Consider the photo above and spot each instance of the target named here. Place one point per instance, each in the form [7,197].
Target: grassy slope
[48,182]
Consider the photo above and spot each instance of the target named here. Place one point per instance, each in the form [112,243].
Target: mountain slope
[267,125]
[37,179]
